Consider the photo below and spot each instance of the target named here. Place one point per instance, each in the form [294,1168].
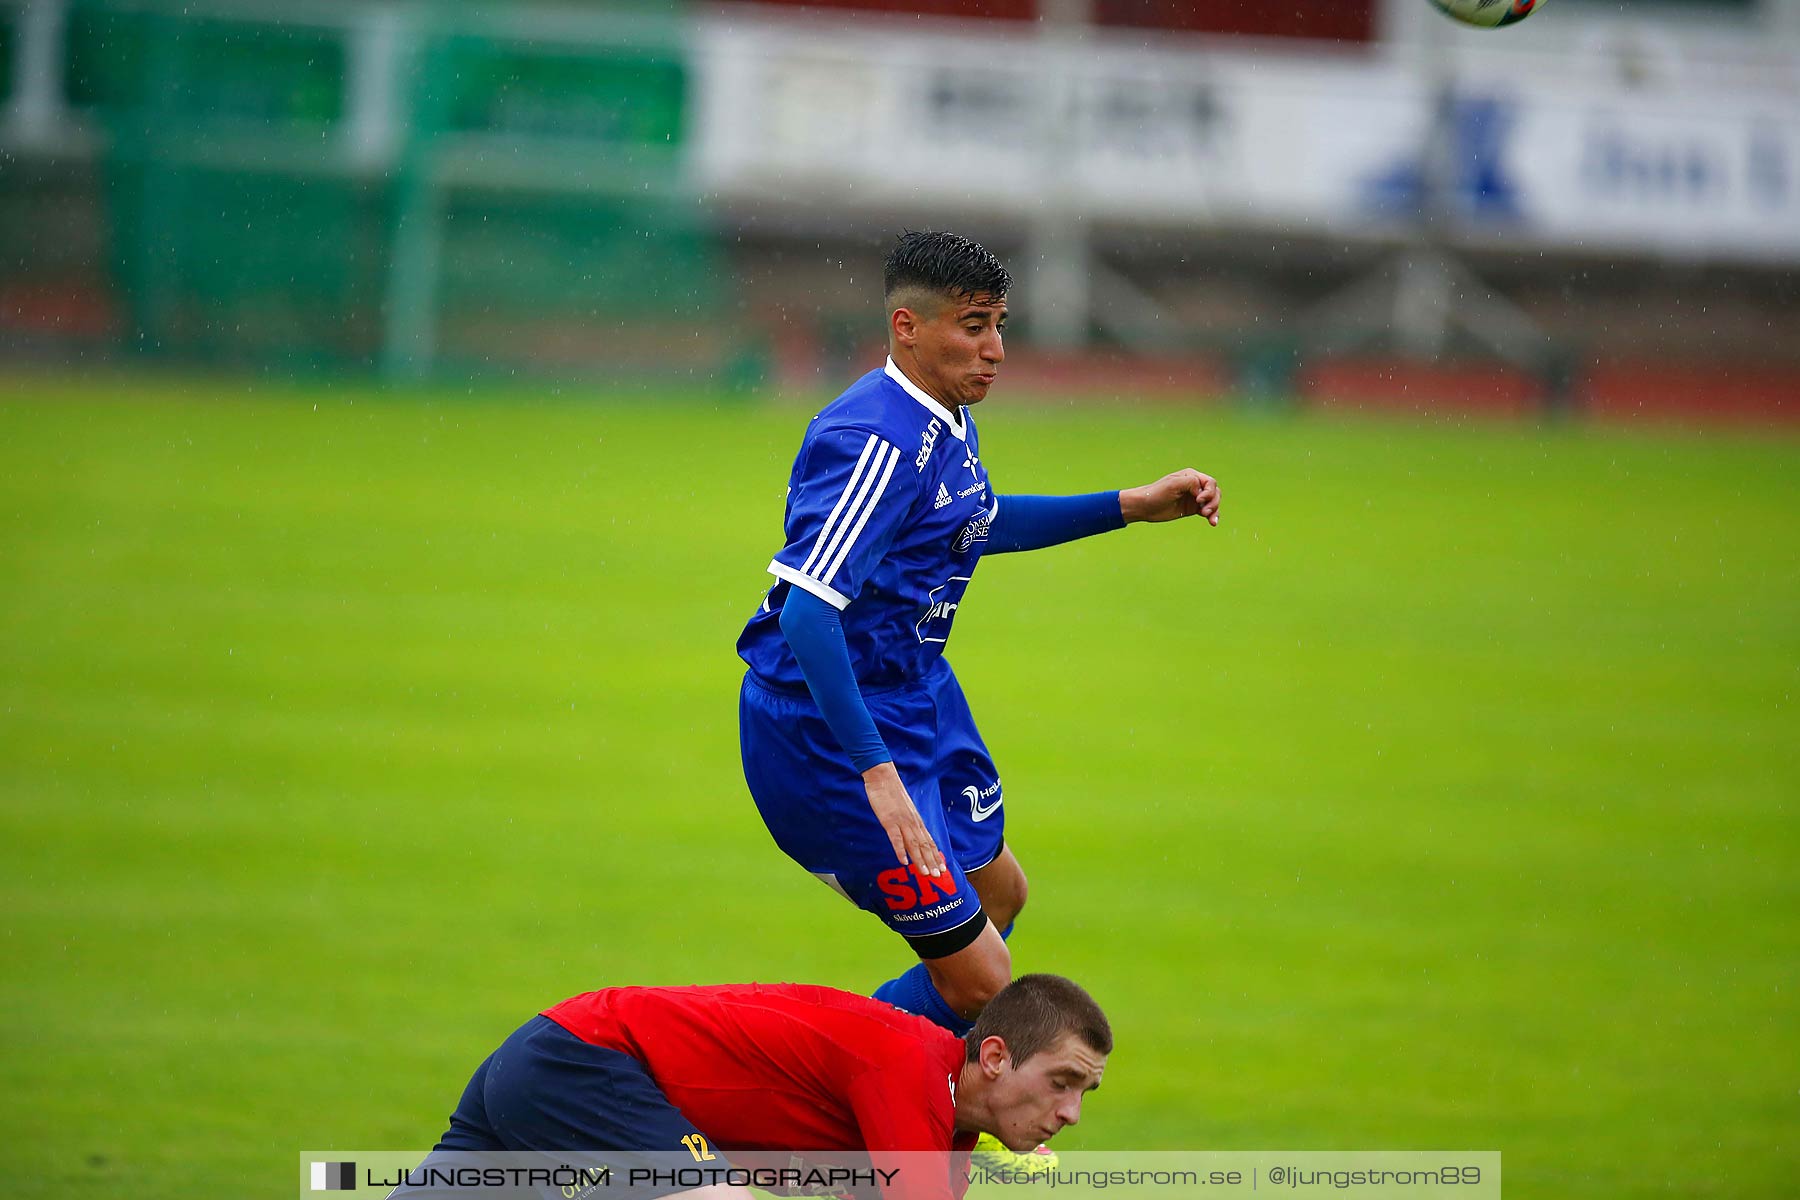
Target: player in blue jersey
[858,744]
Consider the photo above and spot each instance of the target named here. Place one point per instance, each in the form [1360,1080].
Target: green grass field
[1443,798]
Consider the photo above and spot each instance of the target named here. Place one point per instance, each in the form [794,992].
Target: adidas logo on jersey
[943,497]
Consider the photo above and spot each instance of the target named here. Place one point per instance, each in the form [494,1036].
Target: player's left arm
[1183,493]
[1034,522]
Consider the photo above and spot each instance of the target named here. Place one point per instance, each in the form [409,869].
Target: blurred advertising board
[877,117]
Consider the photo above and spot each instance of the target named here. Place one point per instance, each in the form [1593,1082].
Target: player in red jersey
[713,1072]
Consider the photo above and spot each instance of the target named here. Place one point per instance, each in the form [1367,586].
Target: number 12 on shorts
[696,1145]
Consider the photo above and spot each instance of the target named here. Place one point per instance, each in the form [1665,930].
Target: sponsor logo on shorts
[979,811]
[914,896]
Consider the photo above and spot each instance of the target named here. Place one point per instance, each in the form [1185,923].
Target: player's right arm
[816,635]
[893,807]
[851,495]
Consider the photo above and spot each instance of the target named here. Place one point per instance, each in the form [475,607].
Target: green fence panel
[228,265]
[535,210]
[203,69]
[621,96]
[9,21]
[576,255]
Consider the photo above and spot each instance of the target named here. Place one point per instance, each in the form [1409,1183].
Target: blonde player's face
[960,348]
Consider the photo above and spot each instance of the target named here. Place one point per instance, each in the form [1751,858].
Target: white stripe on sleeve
[885,456]
[807,583]
[849,490]
[862,520]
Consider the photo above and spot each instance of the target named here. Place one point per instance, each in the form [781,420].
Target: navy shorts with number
[817,810]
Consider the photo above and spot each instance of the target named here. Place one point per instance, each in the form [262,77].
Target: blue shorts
[545,1089]
[817,810]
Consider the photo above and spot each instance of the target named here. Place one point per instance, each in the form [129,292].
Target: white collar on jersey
[917,393]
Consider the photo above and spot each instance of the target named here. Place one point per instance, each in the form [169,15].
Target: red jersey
[786,1066]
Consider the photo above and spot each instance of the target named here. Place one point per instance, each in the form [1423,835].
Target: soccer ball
[1487,12]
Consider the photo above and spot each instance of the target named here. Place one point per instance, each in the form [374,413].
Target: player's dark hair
[1033,1012]
[947,263]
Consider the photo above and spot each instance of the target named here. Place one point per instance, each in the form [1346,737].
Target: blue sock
[1007,932]
[913,992]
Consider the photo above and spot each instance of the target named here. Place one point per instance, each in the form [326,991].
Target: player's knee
[1021,888]
[969,979]
[995,972]
[1004,908]
[1003,889]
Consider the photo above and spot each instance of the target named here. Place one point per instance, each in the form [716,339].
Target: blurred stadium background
[1284,201]
[394,405]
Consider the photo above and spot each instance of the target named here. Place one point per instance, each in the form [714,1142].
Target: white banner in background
[874,116]
[1661,171]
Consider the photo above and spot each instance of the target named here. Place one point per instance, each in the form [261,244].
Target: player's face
[960,348]
[1034,1100]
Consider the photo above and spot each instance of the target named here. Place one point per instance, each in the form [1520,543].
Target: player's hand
[1186,493]
[905,828]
